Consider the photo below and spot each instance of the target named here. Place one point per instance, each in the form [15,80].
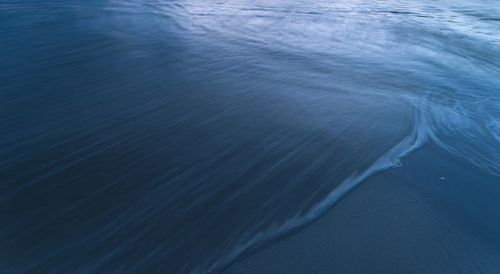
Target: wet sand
[433,215]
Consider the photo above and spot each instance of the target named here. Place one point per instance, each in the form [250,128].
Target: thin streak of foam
[420,135]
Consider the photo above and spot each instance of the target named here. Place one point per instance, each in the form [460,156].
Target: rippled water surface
[175,136]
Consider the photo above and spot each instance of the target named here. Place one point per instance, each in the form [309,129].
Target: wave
[200,131]
[419,136]
[432,123]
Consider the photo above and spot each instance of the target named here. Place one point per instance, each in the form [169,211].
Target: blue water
[176,136]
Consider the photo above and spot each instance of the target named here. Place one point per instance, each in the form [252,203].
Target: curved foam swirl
[420,134]
[432,123]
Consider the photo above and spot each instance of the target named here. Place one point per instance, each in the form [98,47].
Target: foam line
[421,134]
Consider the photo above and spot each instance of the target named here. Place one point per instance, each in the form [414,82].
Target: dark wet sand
[436,214]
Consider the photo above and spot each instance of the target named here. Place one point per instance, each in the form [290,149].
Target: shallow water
[176,136]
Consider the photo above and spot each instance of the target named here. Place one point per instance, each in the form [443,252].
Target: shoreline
[428,216]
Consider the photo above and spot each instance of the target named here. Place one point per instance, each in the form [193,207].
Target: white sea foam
[420,134]
[430,120]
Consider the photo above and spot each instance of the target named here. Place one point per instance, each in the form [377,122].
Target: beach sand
[436,214]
